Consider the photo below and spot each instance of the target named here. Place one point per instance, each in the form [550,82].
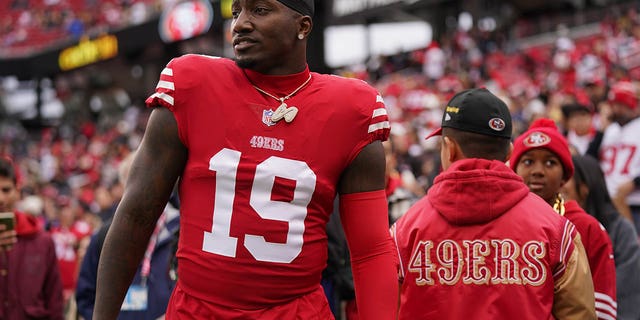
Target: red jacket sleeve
[603,271]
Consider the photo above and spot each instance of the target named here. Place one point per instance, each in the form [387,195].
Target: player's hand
[7,238]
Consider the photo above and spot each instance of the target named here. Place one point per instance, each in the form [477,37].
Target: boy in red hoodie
[30,285]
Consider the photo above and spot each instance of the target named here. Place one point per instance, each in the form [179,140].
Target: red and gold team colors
[481,246]
[256,194]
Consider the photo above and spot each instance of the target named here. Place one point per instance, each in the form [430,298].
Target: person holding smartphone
[30,284]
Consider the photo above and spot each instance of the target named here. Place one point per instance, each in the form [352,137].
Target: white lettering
[267,143]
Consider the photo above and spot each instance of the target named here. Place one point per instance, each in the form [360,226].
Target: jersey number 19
[219,241]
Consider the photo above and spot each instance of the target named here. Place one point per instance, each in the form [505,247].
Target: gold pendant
[279,113]
[290,114]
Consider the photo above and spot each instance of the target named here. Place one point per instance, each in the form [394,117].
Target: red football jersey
[256,194]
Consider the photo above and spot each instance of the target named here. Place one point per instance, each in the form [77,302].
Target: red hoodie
[481,246]
[30,285]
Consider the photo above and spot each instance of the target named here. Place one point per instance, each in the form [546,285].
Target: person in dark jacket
[589,188]
[157,283]
[30,284]
[151,288]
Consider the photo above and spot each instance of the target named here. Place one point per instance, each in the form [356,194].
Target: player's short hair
[476,145]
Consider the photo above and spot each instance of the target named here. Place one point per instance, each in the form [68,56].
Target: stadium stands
[31,26]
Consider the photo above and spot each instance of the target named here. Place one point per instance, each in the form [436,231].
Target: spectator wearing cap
[541,156]
[618,150]
[462,243]
[578,125]
[596,90]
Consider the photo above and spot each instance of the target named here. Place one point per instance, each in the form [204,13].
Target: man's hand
[7,238]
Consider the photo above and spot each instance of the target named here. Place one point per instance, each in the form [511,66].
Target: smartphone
[8,219]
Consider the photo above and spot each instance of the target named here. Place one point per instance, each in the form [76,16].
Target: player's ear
[305,24]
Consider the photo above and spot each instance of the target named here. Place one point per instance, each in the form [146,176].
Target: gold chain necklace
[558,205]
[284,111]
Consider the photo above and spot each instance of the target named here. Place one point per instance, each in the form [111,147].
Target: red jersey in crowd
[67,241]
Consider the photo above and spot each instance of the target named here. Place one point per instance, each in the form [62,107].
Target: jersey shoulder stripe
[165,91]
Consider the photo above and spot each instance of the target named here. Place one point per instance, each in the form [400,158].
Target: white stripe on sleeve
[166,85]
[379,112]
[379,125]
[167,72]
[165,97]
[604,316]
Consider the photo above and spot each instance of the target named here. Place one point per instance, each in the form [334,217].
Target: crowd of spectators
[68,173]
[29,26]
[535,81]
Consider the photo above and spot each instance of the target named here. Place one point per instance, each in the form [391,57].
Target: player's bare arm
[366,172]
[158,164]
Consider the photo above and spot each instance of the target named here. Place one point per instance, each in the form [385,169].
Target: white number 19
[225,163]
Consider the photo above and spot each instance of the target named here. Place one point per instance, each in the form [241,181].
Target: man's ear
[305,26]
[453,151]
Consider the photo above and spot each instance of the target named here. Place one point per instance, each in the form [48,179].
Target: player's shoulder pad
[198,62]
[192,70]
[354,91]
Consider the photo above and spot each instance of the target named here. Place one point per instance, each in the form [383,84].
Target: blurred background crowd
[559,61]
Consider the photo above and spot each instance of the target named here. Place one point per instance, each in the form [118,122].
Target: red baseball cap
[624,92]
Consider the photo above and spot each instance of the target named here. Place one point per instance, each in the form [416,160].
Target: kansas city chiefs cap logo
[497,124]
[536,139]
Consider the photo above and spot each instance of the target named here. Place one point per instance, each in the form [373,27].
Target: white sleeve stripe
[166,85]
[566,236]
[559,271]
[564,248]
[379,125]
[604,316]
[606,298]
[379,99]
[603,307]
[167,72]
[379,112]
[163,96]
